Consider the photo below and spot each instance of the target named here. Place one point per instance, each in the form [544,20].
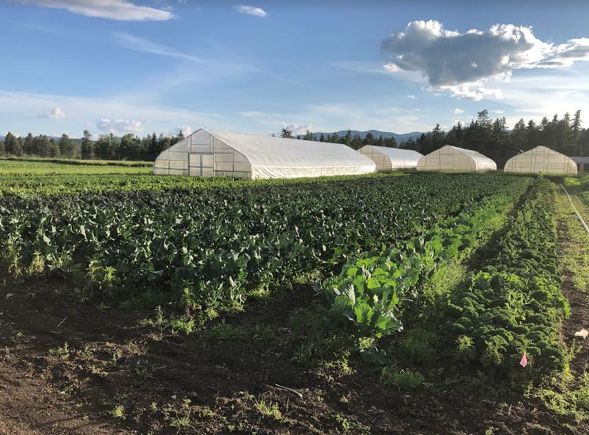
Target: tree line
[353,141]
[107,147]
[489,136]
[485,135]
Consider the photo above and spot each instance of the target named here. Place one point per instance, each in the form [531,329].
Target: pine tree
[54,149]
[348,138]
[519,135]
[87,150]
[12,145]
[28,145]
[286,133]
[68,148]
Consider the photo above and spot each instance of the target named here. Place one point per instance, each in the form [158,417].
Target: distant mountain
[376,133]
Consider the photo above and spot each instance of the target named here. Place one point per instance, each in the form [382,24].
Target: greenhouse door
[202,164]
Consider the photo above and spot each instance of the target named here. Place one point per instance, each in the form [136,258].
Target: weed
[402,379]
[142,372]
[418,345]
[270,410]
[18,337]
[206,412]
[118,412]
[62,352]
[349,426]
[264,333]
[226,331]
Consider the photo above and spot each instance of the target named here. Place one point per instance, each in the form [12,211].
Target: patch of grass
[573,402]
[402,379]
[418,345]
[270,410]
[264,332]
[575,252]
[226,331]
[351,427]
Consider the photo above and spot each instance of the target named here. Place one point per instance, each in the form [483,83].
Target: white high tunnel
[541,159]
[388,159]
[451,158]
[213,153]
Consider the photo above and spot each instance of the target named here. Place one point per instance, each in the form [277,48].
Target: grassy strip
[514,304]
[579,187]
[575,253]
[79,162]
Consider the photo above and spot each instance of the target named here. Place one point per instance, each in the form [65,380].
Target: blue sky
[142,66]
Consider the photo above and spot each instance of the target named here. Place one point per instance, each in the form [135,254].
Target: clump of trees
[107,147]
[487,135]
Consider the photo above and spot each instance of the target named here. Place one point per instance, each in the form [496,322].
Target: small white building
[212,153]
[389,159]
[453,159]
[541,160]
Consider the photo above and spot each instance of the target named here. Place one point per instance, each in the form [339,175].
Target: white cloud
[499,112]
[186,130]
[121,114]
[458,111]
[120,126]
[411,96]
[121,10]
[56,113]
[250,10]
[297,129]
[461,63]
[136,43]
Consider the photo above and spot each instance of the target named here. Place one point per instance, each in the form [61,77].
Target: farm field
[400,304]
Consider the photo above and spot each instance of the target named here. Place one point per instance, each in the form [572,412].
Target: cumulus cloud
[121,10]
[120,126]
[297,129]
[458,111]
[462,63]
[251,10]
[56,113]
[411,96]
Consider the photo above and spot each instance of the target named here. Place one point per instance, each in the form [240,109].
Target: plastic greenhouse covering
[388,159]
[451,158]
[210,153]
[541,159]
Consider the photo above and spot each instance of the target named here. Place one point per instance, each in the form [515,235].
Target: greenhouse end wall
[541,160]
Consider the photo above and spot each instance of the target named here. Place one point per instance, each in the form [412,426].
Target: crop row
[205,247]
[514,304]
[368,297]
